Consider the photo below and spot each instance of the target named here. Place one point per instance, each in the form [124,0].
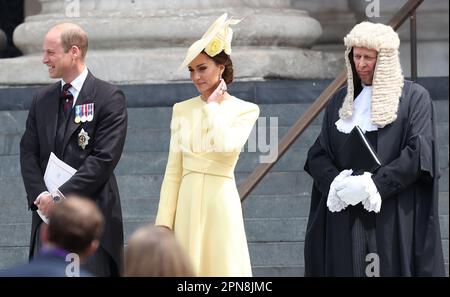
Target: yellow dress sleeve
[229,128]
[172,178]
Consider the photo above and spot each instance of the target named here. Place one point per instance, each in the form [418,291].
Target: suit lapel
[383,149]
[49,108]
[86,96]
[391,139]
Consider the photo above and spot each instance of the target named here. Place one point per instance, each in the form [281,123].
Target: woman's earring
[224,88]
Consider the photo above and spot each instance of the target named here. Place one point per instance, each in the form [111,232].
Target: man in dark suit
[73,234]
[83,121]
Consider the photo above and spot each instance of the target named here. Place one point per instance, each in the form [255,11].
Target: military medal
[77,114]
[83,139]
[90,112]
[83,113]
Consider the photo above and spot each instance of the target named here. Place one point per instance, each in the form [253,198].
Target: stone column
[31,7]
[3,40]
[335,17]
[144,41]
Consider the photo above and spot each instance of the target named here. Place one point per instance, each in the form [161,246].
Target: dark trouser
[37,242]
[101,264]
[363,238]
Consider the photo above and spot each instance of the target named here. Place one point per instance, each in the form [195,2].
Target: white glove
[354,189]
[335,204]
[373,203]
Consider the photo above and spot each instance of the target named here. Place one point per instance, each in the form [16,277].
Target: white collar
[78,82]
[361,116]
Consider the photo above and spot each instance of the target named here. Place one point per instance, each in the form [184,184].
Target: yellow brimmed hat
[216,39]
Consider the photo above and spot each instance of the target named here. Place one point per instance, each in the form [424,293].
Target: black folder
[356,153]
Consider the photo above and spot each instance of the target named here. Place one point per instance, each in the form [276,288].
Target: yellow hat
[216,39]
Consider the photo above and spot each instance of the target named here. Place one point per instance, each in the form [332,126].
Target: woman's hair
[154,251]
[224,59]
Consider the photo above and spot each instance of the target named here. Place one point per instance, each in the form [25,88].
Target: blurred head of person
[154,251]
[75,225]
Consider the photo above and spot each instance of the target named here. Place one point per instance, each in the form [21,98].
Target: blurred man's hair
[74,223]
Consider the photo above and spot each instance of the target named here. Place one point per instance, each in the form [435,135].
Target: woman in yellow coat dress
[199,200]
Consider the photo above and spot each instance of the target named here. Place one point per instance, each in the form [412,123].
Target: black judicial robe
[408,240]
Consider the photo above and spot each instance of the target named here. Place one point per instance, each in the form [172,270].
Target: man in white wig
[384,222]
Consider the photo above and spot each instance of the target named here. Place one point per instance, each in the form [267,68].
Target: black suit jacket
[95,164]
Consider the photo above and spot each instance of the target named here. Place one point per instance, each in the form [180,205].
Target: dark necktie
[67,98]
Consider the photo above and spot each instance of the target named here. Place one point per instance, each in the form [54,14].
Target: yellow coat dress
[199,200]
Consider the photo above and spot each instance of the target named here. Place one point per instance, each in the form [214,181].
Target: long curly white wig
[388,77]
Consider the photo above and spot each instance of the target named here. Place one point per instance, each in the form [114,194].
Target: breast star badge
[83,139]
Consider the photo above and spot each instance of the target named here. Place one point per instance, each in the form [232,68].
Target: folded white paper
[56,174]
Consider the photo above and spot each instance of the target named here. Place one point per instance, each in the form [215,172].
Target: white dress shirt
[77,83]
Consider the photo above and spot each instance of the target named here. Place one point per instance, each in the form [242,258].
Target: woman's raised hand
[218,94]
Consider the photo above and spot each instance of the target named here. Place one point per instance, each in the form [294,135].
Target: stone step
[13,255]
[159,117]
[274,183]
[443,203]
[10,256]
[269,229]
[275,214]
[445,250]
[145,118]
[157,140]
[276,229]
[280,194]
[278,271]
[272,242]
[134,208]
[257,230]
[9,143]
[141,186]
[444,224]
[261,254]
[276,254]
[144,163]
[13,121]
[255,206]
[153,140]
[15,234]
[269,91]
[441,108]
